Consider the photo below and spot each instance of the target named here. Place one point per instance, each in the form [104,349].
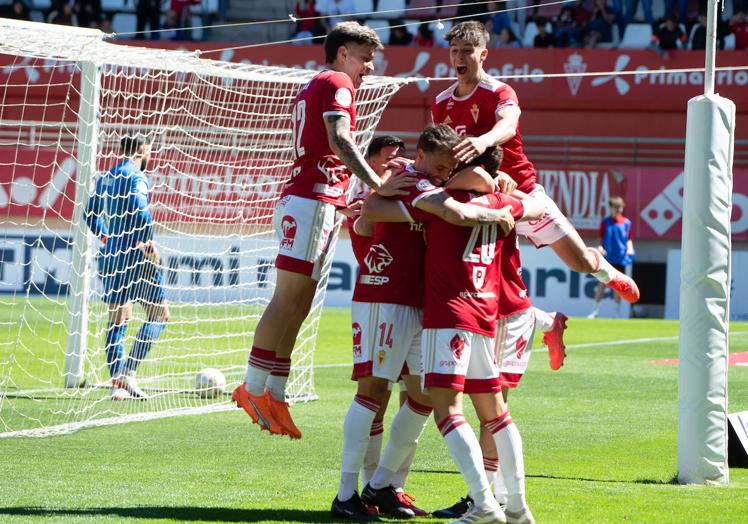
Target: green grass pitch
[600,439]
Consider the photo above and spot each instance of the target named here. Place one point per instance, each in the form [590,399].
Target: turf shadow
[673,480]
[184,514]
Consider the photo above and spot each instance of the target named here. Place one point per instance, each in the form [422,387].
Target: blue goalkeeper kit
[118,213]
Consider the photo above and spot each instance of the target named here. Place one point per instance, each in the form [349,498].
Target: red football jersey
[391,268]
[317,173]
[359,243]
[475,114]
[462,276]
[513,296]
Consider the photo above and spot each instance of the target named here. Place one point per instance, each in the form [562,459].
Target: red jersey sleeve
[505,97]
[337,96]
[500,200]
[435,113]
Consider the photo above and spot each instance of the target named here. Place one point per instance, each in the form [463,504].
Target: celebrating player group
[439,304]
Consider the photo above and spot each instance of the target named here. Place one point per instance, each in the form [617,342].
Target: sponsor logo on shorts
[457,345]
[520,347]
[356,339]
[377,258]
[288,227]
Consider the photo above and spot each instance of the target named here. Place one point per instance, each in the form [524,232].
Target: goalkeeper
[119,215]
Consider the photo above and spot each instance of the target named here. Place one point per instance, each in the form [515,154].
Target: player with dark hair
[460,307]
[118,213]
[386,314]
[323,119]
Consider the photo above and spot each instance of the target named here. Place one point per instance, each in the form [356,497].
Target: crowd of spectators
[156,19]
[586,23]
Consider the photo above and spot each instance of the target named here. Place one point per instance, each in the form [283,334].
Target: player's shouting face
[467,60]
[357,61]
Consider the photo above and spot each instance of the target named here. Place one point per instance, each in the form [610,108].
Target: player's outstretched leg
[553,326]
[578,257]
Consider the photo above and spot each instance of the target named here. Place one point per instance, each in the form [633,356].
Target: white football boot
[478,515]
[129,383]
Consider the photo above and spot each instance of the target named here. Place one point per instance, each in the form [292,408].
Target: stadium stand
[636,36]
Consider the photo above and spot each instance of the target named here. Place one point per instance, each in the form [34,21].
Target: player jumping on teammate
[323,120]
[486,111]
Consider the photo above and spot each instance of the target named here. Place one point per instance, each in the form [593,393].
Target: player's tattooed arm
[339,137]
[439,203]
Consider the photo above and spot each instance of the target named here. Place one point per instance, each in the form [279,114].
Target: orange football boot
[257,408]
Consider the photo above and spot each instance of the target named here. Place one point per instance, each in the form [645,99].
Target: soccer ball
[210,383]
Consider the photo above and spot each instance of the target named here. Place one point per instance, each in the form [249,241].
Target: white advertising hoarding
[738,301]
[239,269]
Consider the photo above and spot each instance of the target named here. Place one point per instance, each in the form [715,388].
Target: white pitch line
[575,346]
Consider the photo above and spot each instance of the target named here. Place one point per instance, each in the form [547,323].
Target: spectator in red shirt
[739,27]
[184,14]
[306,28]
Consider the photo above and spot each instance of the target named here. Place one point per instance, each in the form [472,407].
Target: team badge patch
[343,97]
[424,185]
[457,345]
[475,112]
[288,227]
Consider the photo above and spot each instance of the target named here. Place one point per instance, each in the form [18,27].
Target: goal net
[221,142]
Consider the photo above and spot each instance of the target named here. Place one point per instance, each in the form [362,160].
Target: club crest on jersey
[447,120]
[288,228]
[356,339]
[475,112]
[520,347]
[377,258]
[457,345]
[479,276]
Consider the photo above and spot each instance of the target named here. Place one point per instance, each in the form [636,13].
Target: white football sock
[543,320]
[490,466]
[356,429]
[499,487]
[404,433]
[509,444]
[465,450]
[604,272]
[373,451]
[259,366]
[398,479]
[278,378]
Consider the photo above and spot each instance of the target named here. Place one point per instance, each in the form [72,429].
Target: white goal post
[221,154]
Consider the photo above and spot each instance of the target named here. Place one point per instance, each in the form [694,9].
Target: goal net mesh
[221,153]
